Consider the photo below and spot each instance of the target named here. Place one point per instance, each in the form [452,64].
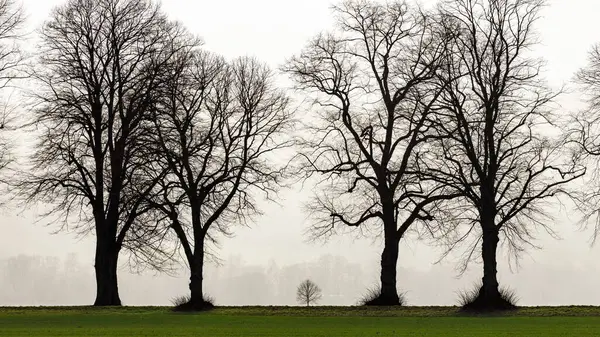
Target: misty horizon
[52,281]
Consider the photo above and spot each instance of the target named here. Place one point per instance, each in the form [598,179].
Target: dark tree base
[108,304]
[488,304]
[374,297]
[383,302]
[107,301]
[194,306]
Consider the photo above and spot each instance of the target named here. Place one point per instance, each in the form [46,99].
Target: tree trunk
[389,260]
[489,291]
[389,257]
[197,269]
[107,289]
[489,297]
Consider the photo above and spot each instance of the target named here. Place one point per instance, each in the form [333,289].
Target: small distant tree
[308,292]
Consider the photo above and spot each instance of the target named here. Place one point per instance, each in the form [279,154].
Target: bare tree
[308,293]
[499,143]
[373,85]
[96,80]
[219,129]
[585,133]
[11,58]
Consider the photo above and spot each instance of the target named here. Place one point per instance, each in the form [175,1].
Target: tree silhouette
[585,133]
[497,127]
[99,62]
[11,60]
[308,293]
[373,85]
[219,128]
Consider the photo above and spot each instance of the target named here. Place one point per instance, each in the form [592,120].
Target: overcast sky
[273,30]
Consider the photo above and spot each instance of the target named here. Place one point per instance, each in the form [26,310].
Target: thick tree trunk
[197,268]
[489,297]
[389,260]
[107,289]
[489,291]
[197,300]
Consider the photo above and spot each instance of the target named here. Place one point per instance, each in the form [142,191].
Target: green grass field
[289,321]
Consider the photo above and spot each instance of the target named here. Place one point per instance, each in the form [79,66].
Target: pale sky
[273,30]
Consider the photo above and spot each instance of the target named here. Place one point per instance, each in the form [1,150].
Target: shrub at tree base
[184,303]
[474,301]
[373,298]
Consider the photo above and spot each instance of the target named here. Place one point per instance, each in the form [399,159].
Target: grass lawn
[289,321]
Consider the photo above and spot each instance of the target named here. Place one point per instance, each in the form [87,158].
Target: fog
[33,280]
[262,265]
